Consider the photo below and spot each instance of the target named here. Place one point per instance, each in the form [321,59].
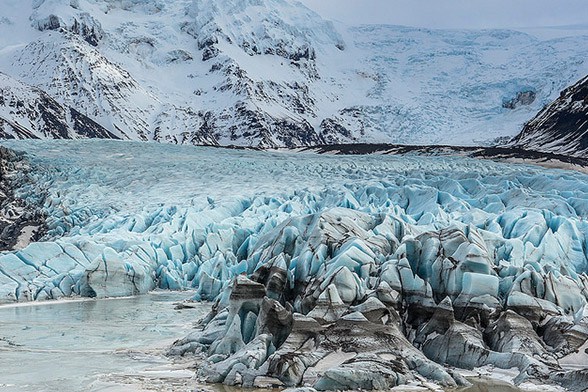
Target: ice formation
[341,272]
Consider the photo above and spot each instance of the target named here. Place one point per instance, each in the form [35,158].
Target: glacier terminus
[340,272]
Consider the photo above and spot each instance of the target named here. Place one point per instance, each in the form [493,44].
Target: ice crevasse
[432,260]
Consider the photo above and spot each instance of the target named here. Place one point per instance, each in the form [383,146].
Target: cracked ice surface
[126,217]
[405,263]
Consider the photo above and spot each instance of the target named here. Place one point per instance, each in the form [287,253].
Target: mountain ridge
[27,112]
[560,127]
[273,73]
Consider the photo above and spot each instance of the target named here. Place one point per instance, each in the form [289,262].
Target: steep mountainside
[562,126]
[29,113]
[274,73]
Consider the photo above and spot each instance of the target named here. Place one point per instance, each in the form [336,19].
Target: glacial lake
[96,345]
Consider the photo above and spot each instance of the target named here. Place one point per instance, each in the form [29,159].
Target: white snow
[146,79]
[25,237]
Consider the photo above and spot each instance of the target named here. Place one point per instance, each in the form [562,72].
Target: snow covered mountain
[28,112]
[562,126]
[274,73]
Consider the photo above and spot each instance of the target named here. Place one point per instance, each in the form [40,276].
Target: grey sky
[455,13]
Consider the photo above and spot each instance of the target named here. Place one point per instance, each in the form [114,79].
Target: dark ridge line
[498,153]
[471,151]
[439,150]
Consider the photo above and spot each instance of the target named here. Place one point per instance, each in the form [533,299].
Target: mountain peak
[562,126]
[274,73]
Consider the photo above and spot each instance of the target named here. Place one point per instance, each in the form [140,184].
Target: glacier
[340,272]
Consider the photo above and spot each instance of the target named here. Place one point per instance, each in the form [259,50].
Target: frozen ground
[454,260]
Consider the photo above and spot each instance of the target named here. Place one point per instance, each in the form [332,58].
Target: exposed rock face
[21,220]
[562,126]
[84,25]
[28,112]
[229,103]
[368,307]
[523,98]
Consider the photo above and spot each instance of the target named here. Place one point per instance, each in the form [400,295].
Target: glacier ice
[337,272]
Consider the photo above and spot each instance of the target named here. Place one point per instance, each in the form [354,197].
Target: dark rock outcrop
[562,126]
[21,221]
[30,113]
[523,98]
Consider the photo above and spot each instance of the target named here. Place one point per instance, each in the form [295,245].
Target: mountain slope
[29,113]
[274,73]
[562,126]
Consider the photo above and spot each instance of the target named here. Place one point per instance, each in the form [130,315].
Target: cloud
[455,13]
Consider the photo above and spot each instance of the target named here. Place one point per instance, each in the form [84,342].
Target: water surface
[95,345]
